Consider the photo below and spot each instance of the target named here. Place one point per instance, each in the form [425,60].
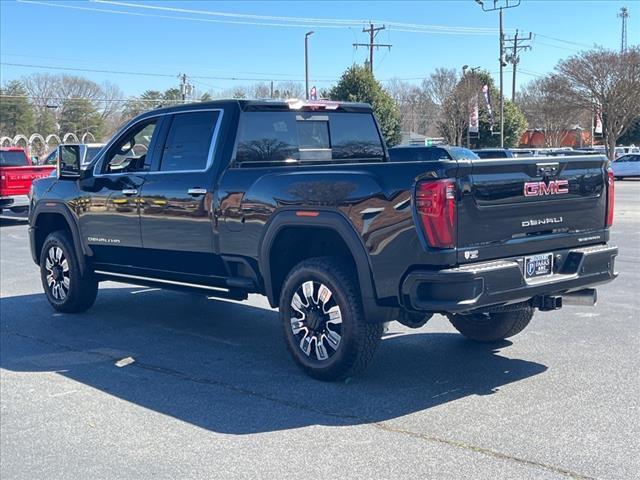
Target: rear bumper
[14,201]
[497,282]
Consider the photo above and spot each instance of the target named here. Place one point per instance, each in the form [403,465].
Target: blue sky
[156,41]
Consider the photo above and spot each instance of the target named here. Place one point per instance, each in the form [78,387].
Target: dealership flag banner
[598,125]
[487,100]
[473,115]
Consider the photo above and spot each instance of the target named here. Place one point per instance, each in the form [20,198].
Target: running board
[219,292]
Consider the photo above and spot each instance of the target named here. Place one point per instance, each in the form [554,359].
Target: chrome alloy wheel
[316,320]
[57,273]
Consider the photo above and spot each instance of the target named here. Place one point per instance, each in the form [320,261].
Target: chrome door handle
[197,191]
[129,191]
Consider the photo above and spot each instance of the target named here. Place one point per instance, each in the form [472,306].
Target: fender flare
[62,209]
[328,220]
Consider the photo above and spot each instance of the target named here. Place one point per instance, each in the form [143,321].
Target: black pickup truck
[298,201]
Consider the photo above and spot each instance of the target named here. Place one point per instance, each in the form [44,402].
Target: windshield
[13,158]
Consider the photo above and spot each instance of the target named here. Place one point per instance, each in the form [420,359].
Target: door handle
[197,191]
[129,191]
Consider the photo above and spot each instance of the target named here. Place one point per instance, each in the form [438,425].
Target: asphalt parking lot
[213,393]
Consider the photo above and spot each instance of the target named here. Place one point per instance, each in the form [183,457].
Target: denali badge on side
[534,222]
[537,189]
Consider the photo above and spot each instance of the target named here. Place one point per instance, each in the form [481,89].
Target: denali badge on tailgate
[537,189]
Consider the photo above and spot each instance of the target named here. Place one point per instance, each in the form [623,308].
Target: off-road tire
[496,325]
[358,339]
[82,287]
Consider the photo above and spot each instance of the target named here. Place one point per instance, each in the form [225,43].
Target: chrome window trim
[212,146]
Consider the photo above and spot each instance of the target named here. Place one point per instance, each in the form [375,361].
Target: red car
[16,175]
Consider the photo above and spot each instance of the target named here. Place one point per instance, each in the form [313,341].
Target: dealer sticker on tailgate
[538,265]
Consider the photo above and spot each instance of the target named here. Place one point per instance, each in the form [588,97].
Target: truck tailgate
[529,205]
[17,180]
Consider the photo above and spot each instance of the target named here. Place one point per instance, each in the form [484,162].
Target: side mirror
[69,161]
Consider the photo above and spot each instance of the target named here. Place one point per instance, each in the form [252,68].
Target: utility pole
[514,58]
[185,88]
[372,31]
[514,61]
[503,5]
[623,15]
[306,63]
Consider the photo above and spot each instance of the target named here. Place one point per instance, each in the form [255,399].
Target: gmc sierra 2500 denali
[298,201]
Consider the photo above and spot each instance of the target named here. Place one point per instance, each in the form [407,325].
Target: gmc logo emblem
[538,189]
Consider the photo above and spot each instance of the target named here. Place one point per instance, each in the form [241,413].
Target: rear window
[15,158]
[272,138]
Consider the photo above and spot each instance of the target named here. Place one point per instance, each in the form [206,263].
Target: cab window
[130,153]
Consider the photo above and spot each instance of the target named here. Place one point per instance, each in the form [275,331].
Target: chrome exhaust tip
[585,298]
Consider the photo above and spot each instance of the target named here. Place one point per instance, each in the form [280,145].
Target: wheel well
[294,244]
[45,224]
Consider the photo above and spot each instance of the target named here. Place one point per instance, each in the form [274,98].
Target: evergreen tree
[357,84]
[16,112]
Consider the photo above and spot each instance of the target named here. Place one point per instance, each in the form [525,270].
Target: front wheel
[492,326]
[324,325]
[67,289]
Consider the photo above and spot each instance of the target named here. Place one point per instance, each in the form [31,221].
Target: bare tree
[454,97]
[261,90]
[440,84]
[545,105]
[418,113]
[609,82]
[289,89]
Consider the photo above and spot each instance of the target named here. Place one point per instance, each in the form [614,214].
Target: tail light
[611,187]
[436,209]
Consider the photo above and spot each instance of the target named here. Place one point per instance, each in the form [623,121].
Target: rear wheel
[67,289]
[495,325]
[324,325]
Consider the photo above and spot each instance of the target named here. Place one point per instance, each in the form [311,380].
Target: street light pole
[306,63]
[504,4]
[501,82]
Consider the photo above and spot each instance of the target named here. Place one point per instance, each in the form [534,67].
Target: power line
[177,67]
[309,20]
[538,42]
[97,100]
[425,29]
[152,74]
[563,41]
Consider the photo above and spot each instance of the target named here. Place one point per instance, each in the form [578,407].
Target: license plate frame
[536,266]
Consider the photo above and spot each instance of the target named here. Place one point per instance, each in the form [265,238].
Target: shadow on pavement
[6,221]
[223,366]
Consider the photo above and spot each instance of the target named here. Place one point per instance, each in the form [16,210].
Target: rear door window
[188,141]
